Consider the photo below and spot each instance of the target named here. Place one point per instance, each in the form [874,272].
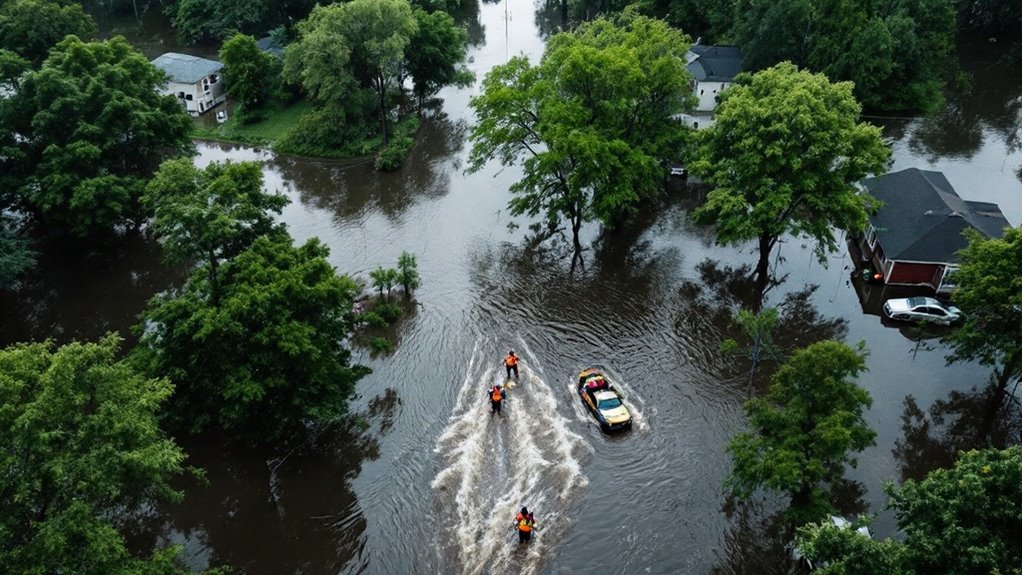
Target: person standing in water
[496,397]
[511,363]
[524,521]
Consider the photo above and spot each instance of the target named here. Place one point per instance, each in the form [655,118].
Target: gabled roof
[185,68]
[922,217]
[714,63]
[269,45]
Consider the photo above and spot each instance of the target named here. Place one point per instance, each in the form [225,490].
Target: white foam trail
[494,465]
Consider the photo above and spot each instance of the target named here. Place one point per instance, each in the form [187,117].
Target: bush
[388,311]
[381,345]
[391,157]
[373,319]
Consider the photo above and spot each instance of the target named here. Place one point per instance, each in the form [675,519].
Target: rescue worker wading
[496,395]
[511,363]
[525,523]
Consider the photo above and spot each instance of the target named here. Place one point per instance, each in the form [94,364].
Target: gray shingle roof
[185,68]
[269,45]
[715,63]
[922,217]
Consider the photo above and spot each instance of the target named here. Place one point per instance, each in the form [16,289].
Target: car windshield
[610,403]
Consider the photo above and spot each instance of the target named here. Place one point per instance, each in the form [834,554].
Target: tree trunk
[1003,377]
[383,110]
[766,244]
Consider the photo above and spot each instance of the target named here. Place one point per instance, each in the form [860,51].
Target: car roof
[921,300]
[604,394]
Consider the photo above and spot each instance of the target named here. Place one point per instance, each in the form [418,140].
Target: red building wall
[914,274]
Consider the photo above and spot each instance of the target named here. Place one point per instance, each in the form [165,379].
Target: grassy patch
[266,132]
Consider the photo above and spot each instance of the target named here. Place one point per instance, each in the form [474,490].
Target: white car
[921,309]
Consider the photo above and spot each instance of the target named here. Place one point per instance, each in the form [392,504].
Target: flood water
[432,485]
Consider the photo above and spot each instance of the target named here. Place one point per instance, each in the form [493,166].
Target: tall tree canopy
[349,47]
[211,215]
[30,28]
[436,54]
[957,521]
[213,20]
[267,357]
[249,71]
[87,130]
[805,430]
[80,445]
[783,156]
[590,123]
[898,53]
[990,295]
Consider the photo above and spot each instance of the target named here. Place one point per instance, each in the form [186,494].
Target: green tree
[212,20]
[81,445]
[759,328]
[956,521]
[591,122]
[990,295]
[897,53]
[844,551]
[965,519]
[89,128]
[12,67]
[783,156]
[348,47]
[436,54]
[248,71]
[211,215]
[30,28]
[15,254]
[267,358]
[804,430]
[384,279]
[407,272]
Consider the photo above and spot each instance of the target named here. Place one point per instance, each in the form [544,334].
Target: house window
[701,92]
[949,281]
[871,237]
[181,95]
[213,79]
[188,97]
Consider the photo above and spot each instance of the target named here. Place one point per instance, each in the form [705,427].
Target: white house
[197,82]
[713,69]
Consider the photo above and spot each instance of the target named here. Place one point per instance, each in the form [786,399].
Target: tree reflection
[966,420]
[352,189]
[708,307]
[551,17]
[82,290]
[283,509]
[755,543]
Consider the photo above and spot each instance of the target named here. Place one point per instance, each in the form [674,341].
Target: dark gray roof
[715,63]
[922,217]
[185,68]
[269,45]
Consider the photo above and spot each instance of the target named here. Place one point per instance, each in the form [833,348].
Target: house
[713,69]
[914,237]
[197,82]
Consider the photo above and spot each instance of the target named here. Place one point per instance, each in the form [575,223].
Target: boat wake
[495,464]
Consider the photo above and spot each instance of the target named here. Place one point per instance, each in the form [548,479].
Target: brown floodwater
[432,484]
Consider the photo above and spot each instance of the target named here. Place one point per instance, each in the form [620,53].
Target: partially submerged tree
[407,272]
[805,430]
[784,155]
[88,129]
[81,445]
[436,54]
[990,295]
[960,520]
[213,214]
[591,123]
[267,358]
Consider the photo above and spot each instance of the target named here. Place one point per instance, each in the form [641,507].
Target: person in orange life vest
[496,395]
[524,521]
[511,363]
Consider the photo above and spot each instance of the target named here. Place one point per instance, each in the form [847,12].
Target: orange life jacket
[525,525]
[511,360]
[496,395]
